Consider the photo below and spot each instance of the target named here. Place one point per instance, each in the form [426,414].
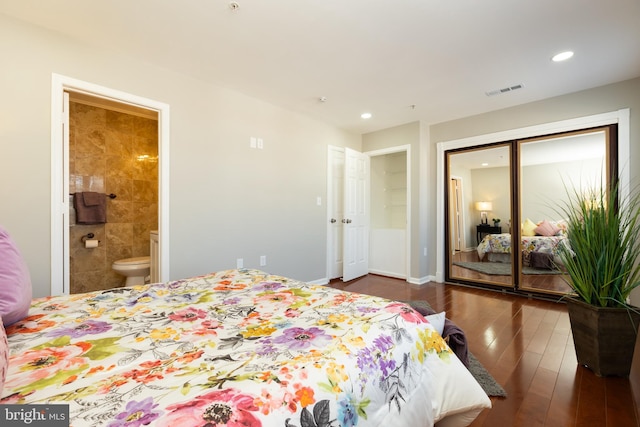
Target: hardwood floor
[553,284]
[526,344]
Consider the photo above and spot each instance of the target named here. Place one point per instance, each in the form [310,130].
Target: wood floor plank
[543,334]
[564,402]
[619,403]
[591,402]
[517,388]
[554,352]
[535,404]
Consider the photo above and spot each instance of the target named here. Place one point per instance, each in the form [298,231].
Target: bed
[497,248]
[540,244]
[237,348]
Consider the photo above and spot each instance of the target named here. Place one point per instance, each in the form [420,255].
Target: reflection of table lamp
[483,207]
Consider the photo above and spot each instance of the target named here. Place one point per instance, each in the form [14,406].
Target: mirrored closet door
[503,207]
[551,169]
[478,215]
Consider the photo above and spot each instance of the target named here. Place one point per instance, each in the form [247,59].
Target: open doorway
[388,249]
[393,217]
[113,151]
[61,190]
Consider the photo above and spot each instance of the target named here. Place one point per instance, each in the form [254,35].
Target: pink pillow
[4,356]
[15,282]
[545,228]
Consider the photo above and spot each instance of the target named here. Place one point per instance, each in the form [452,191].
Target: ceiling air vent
[504,90]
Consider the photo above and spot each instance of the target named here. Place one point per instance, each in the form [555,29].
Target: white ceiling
[381,56]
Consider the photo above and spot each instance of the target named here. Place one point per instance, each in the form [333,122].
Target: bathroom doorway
[89,155]
[113,150]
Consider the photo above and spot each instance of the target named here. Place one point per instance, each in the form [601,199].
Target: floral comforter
[501,244]
[233,348]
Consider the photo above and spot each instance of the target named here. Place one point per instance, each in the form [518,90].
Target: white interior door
[356,215]
[336,212]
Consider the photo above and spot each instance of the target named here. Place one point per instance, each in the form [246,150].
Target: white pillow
[437,320]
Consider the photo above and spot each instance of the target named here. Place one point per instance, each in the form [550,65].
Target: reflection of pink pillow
[4,356]
[545,228]
[15,282]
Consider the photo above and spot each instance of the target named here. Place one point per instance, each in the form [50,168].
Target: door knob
[333,220]
[346,221]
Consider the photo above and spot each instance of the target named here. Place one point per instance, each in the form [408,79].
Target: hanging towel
[91,198]
[91,207]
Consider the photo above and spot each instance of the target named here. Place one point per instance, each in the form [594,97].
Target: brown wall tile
[104,146]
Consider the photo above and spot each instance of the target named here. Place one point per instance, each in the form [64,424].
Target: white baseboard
[421,280]
[388,274]
[412,280]
[323,281]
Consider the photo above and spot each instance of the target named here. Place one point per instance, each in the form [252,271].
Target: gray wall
[543,186]
[227,201]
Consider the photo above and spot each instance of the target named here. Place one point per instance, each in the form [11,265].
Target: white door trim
[60,176]
[621,117]
[332,264]
[398,149]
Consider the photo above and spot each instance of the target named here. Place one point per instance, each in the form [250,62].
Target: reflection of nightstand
[483,229]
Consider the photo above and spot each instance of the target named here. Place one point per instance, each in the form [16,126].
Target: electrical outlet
[260,144]
[239,263]
[263,260]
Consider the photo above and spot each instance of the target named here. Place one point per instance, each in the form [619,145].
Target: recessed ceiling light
[562,56]
[365,115]
[485,164]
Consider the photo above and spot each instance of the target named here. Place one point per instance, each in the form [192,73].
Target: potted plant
[601,262]
[496,222]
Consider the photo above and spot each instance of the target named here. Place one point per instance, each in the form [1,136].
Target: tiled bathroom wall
[111,152]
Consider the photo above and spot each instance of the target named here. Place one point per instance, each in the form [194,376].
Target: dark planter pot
[604,338]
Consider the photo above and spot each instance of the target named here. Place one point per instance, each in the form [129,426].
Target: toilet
[135,269]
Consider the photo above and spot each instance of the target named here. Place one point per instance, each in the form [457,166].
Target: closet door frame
[619,117]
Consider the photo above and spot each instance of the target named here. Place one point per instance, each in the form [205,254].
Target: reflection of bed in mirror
[540,245]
